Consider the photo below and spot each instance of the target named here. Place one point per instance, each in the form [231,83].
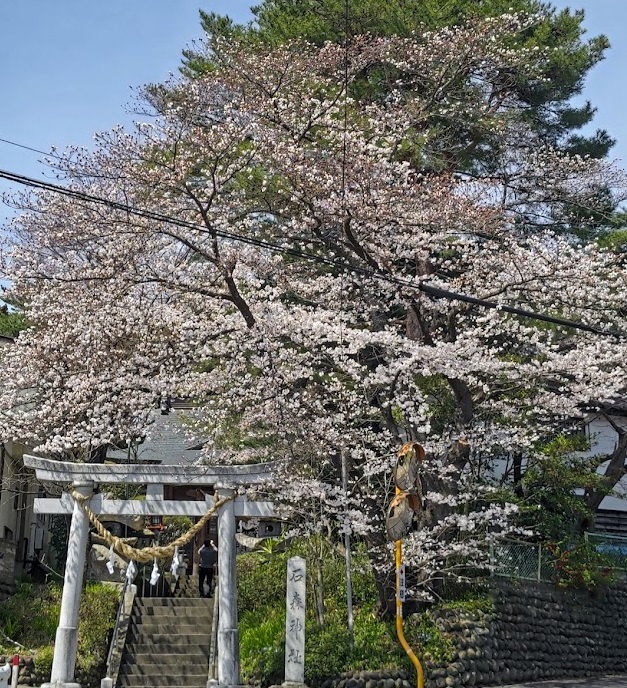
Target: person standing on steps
[207,560]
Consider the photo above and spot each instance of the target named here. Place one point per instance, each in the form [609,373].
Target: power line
[30,148]
[435,292]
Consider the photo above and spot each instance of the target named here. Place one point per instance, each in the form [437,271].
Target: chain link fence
[533,561]
[614,547]
[525,560]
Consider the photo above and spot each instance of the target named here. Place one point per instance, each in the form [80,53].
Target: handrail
[213,644]
[119,617]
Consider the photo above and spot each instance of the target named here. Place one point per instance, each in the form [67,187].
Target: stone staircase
[187,586]
[167,643]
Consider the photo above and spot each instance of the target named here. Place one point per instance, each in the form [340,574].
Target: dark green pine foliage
[549,108]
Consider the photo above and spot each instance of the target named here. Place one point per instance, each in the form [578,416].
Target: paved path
[604,682]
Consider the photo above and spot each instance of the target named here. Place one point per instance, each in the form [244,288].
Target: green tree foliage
[11,322]
[548,98]
[467,145]
[175,526]
[581,565]
[547,494]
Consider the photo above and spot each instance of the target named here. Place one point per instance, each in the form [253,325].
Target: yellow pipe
[420,678]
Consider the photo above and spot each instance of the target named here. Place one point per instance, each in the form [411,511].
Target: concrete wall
[18,523]
[7,568]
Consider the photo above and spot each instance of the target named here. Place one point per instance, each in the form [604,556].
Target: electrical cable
[30,148]
[433,291]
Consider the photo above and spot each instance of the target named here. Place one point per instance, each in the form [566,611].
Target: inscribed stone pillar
[66,640]
[228,634]
[295,621]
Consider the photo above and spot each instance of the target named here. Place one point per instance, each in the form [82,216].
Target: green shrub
[262,646]
[581,566]
[43,661]
[32,616]
[9,623]
[364,587]
[261,576]
[426,638]
[328,651]
[481,601]
[261,581]
[96,619]
[375,643]
[362,579]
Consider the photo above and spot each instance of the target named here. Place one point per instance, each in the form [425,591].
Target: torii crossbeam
[85,476]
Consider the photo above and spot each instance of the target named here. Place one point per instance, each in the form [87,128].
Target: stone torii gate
[83,477]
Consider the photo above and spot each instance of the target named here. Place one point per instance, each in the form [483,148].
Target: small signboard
[401,582]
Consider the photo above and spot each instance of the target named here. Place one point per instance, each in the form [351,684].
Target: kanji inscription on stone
[295,621]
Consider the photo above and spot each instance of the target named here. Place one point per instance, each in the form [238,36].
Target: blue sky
[68,67]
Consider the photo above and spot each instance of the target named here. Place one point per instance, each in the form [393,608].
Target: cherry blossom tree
[265,253]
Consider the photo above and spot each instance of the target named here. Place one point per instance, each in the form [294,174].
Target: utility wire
[435,292]
[29,148]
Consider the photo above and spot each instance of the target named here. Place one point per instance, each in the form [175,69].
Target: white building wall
[603,440]
[19,525]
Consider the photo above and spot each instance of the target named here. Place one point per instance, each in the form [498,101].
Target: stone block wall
[30,676]
[565,633]
[26,674]
[536,632]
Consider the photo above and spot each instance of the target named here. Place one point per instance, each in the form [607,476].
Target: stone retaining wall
[389,678]
[536,632]
[29,675]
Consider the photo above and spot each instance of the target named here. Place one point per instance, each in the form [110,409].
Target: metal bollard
[15,671]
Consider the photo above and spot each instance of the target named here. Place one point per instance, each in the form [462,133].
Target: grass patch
[31,615]
[329,649]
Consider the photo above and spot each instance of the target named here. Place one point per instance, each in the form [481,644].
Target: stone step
[178,670]
[166,658]
[198,620]
[143,649]
[143,627]
[174,602]
[203,609]
[175,639]
[155,681]
[167,643]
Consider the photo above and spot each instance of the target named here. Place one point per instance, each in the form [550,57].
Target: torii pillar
[228,633]
[84,477]
[66,639]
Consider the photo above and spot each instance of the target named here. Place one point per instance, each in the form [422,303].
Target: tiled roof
[169,442]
